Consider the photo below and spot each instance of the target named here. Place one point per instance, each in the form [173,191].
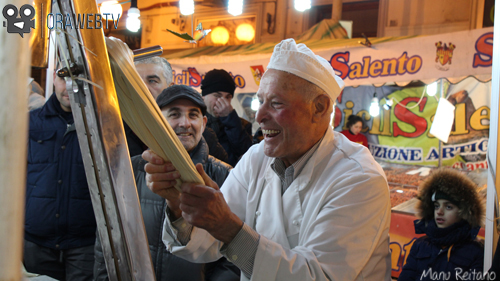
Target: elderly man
[156,72]
[185,111]
[304,204]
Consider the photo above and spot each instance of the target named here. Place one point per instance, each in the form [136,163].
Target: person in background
[156,72]
[353,132]
[258,136]
[303,204]
[451,213]
[36,95]
[185,111]
[233,132]
[59,225]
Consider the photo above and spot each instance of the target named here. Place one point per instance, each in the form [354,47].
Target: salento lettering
[385,67]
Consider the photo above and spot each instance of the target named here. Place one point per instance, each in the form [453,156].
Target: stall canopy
[389,60]
[460,61]
[325,29]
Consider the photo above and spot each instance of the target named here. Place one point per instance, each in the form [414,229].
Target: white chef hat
[299,60]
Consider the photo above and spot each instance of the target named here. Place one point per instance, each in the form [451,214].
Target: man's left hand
[222,107]
[204,206]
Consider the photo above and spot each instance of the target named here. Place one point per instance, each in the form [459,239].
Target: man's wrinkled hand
[204,206]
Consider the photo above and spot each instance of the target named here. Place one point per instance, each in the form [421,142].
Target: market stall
[392,69]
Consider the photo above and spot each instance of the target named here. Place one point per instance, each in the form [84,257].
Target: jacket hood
[459,188]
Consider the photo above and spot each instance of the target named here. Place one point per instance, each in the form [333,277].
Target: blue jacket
[444,254]
[59,212]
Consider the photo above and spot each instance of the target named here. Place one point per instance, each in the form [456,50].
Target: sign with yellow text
[400,134]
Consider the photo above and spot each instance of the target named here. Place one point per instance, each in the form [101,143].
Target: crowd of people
[294,201]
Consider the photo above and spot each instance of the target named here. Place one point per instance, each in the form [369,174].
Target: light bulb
[235,7]
[219,35]
[432,89]
[388,104]
[186,7]
[302,5]
[255,104]
[374,108]
[111,8]
[133,22]
[245,32]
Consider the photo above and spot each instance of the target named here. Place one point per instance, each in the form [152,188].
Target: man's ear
[205,120]
[321,105]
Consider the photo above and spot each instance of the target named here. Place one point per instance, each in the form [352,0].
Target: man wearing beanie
[303,204]
[233,132]
[185,111]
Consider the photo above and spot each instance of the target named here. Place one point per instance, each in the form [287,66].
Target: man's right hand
[161,179]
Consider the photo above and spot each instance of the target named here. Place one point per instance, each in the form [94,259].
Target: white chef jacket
[332,223]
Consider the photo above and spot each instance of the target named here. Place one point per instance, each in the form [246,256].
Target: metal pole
[14,73]
[337,10]
[491,233]
[440,159]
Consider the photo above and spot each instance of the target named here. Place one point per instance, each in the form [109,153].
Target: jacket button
[234,257]
[57,215]
[63,147]
[59,181]
[257,213]
[39,141]
[57,245]
[296,222]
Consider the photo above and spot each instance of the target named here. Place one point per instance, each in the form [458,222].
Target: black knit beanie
[217,80]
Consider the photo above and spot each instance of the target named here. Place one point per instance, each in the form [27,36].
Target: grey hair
[310,90]
[167,68]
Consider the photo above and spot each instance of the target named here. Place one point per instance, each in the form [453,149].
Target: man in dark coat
[59,224]
[185,111]
[233,132]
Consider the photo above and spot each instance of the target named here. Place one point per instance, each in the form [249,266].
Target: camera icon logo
[22,24]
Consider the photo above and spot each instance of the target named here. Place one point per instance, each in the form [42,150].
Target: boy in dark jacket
[451,214]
